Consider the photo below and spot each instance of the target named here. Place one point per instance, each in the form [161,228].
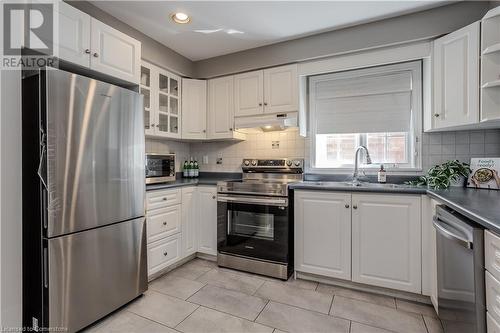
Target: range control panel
[283,163]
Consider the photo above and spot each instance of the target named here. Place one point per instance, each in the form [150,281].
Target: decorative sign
[485,173]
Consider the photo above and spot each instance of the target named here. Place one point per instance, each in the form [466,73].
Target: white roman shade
[371,100]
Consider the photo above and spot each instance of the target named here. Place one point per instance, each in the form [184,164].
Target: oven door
[253,226]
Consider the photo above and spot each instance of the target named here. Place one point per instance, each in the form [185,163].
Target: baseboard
[171,267]
[205,256]
[366,288]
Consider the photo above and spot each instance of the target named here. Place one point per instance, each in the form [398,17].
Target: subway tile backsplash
[461,145]
[260,145]
[436,148]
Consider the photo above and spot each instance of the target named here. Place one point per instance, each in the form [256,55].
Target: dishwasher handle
[440,227]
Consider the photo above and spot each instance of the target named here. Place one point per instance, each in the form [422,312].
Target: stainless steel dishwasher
[460,272]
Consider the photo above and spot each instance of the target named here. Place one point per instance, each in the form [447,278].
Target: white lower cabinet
[323,233]
[207,222]
[164,222]
[163,253]
[386,241]
[180,223]
[373,239]
[190,216]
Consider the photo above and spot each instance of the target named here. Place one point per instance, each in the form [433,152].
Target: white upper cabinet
[221,108]
[90,43]
[194,109]
[114,53]
[161,91]
[281,89]
[272,90]
[456,78]
[323,233]
[386,241]
[74,35]
[249,93]
[490,66]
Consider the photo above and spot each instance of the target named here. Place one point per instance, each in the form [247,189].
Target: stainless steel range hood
[266,122]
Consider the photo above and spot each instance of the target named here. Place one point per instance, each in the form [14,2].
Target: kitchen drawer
[492,253]
[492,324]
[493,296]
[163,222]
[163,253]
[163,198]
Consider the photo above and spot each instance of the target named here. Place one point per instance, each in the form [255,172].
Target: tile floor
[201,297]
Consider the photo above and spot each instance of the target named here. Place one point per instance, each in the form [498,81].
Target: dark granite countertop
[480,205]
[206,178]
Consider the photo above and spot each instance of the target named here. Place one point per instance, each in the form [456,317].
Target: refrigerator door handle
[42,166]
[45,268]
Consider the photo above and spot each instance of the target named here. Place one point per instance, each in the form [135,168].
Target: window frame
[414,143]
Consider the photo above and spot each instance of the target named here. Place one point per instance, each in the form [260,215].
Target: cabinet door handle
[265,104]
[204,131]
[164,223]
[354,207]
[164,199]
[87,51]
[260,104]
[347,206]
[436,115]
[96,55]
[213,197]
[165,253]
[230,129]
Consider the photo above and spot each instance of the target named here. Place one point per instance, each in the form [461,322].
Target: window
[378,107]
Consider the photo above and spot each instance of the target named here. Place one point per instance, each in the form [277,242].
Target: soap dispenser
[381,175]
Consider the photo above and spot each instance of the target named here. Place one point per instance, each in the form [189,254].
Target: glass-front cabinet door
[161,101]
[145,88]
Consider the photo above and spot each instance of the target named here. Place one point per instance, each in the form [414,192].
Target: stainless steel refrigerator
[84,232]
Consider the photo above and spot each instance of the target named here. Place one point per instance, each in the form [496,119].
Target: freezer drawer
[94,272]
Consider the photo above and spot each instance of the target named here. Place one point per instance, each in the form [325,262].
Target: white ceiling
[253,23]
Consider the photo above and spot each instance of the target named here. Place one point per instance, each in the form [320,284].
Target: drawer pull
[165,199]
[165,253]
[164,223]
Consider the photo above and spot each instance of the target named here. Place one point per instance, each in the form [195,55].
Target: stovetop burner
[265,177]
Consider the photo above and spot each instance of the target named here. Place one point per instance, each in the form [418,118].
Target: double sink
[357,184]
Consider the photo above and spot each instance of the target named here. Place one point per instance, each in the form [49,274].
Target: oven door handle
[450,235]
[281,202]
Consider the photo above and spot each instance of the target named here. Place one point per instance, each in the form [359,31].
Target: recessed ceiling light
[180,18]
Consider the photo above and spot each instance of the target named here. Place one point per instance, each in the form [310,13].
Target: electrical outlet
[205,159]
[275,144]
[219,160]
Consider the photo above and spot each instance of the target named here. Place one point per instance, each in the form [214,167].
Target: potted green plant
[450,173]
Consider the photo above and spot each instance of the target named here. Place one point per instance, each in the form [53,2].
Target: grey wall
[417,26]
[10,195]
[152,50]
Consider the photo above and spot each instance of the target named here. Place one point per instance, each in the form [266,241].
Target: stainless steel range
[255,220]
